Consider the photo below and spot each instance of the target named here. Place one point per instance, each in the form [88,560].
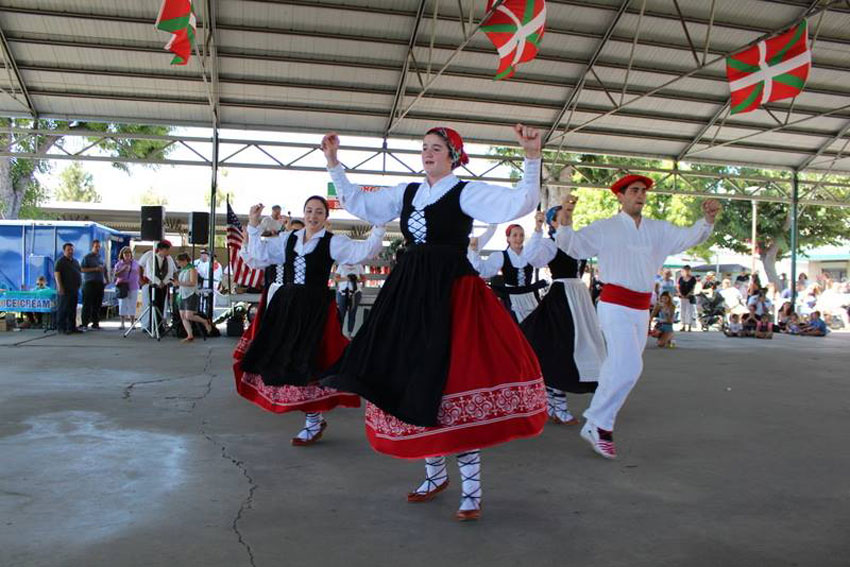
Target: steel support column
[213,190]
[794,213]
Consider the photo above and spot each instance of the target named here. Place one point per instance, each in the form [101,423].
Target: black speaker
[199,228]
[152,217]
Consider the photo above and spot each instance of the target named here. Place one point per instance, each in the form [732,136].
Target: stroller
[712,311]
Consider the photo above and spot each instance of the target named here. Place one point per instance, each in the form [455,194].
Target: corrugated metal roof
[307,65]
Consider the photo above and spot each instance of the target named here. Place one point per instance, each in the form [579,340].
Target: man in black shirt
[94,278]
[68,275]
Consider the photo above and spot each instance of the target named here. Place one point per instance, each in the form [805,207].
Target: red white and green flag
[516,29]
[178,18]
[773,69]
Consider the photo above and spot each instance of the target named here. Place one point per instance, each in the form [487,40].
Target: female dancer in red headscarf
[443,365]
[296,334]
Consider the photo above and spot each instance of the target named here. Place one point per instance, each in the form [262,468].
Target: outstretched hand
[711,209]
[530,139]
[255,214]
[330,147]
[539,219]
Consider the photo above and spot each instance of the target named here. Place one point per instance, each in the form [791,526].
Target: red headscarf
[455,143]
[510,228]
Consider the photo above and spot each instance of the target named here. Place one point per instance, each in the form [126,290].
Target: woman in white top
[517,270]
[189,300]
[295,336]
[443,365]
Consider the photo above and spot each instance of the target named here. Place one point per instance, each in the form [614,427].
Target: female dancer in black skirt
[443,365]
[563,330]
[517,269]
[296,335]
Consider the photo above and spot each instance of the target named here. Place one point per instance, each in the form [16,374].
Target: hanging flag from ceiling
[516,29]
[773,69]
[178,18]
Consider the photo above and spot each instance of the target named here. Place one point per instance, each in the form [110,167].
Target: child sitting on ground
[734,329]
[664,312]
[793,327]
[750,321]
[764,328]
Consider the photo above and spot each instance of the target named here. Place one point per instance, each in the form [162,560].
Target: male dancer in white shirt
[630,250]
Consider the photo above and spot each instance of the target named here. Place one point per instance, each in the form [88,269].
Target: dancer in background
[630,250]
[563,330]
[517,271]
[443,365]
[297,334]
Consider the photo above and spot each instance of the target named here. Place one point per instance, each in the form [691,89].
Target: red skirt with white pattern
[282,399]
[494,391]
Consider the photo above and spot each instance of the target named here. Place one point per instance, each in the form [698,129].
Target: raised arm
[376,207]
[344,250]
[263,252]
[490,266]
[485,236]
[539,251]
[680,239]
[497,204]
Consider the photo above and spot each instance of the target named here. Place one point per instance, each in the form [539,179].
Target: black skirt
[285,348]
[552,334]
[399,359]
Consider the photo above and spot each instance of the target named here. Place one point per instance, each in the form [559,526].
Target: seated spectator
[36,319]
[761,302]
[816,326]
[750,321]
[783,317]
[764,328]
[734,329]
[794,327]
[732,297]
[664,312]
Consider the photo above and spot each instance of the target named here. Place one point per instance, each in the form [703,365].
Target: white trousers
[625,332]
[686,309]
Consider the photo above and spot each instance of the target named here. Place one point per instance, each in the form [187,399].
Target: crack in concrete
[247,502]
[128,390]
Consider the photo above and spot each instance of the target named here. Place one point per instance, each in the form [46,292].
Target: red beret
[624,182]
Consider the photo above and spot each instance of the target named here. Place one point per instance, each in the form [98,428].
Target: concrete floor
[127,452]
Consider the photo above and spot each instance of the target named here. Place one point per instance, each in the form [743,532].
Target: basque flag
[773,69]
[516,29]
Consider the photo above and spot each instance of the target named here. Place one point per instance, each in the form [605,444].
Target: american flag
[242,274]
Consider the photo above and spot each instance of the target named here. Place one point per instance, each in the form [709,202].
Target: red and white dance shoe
[600,440]
[470,499]
[310,434]
[436,481]
[427,495]
[563,419]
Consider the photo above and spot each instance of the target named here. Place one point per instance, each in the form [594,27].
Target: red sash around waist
[623,296]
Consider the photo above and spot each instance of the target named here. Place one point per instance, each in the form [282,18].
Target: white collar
[301,234]
[518,257]
[631,222]
[451,179]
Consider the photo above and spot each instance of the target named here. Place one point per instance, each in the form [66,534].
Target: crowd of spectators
[749,307]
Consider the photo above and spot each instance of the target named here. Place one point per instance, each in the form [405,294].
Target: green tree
[76,184]
[221,197]
[21,193]
[595,204]
[817,225]
[153,196]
